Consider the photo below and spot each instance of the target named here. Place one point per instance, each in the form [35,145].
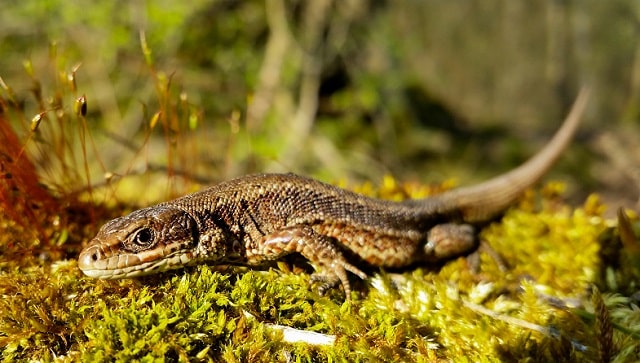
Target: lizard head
[146,241]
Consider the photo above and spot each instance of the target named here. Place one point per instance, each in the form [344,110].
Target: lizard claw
[337,273]
[327,281]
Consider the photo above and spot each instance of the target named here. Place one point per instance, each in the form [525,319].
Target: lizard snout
[91,261]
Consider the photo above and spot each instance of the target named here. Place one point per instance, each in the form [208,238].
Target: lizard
[256,219]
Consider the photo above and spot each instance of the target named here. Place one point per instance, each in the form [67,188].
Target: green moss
[538,310]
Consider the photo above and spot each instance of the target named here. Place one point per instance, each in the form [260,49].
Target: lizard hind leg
[449,240]
[330,264]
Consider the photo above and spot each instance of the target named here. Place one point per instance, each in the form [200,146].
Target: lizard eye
[143,237]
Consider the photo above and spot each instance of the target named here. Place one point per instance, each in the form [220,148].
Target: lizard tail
[485,200]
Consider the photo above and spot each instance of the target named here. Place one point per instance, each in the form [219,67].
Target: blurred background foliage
[179,94]
[424,90]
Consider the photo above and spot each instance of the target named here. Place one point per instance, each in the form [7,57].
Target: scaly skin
[260,218]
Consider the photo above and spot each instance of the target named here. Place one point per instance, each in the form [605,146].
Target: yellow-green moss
[539,309]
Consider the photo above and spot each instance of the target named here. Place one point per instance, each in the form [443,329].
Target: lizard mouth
[93,263]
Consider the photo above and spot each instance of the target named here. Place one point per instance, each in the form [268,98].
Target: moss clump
[539,309]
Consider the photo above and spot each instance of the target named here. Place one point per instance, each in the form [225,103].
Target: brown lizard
[259,218]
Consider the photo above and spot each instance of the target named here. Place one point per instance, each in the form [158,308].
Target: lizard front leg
[331,265]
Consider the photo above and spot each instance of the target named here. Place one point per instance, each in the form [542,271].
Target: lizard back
[262,217]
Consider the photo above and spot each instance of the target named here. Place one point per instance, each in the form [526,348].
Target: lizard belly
[377,247]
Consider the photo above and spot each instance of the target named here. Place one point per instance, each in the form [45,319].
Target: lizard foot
[320,250]
[449,240]
[331,276]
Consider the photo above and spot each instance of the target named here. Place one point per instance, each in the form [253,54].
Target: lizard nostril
[88,258]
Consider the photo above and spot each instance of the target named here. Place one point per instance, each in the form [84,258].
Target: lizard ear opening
[181,227]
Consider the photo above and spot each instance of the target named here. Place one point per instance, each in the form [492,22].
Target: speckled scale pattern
[262,217]
[254,206]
